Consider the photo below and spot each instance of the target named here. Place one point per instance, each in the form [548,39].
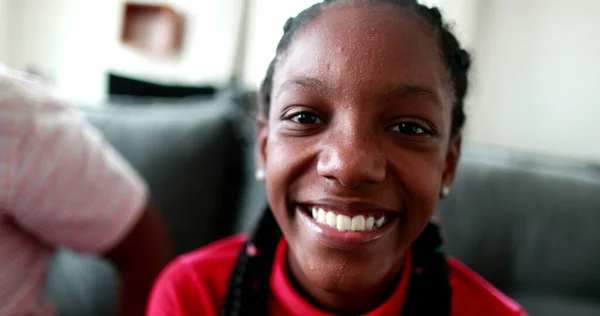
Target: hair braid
[249,283]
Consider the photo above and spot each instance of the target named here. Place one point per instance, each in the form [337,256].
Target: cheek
[284,163]
[281,157]
[288,157]
[420,174]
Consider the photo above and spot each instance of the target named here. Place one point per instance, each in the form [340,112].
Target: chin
[343,279]
[341,271]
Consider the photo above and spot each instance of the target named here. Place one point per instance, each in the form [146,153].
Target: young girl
[362,109]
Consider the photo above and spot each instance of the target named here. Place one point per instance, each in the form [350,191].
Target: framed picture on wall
[152,28]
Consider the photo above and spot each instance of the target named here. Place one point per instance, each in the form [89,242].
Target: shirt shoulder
[224,249]
[16,85]
[196,283]
[21,97]
[62,182]
[473,295]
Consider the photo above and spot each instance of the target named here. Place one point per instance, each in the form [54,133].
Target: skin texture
[139,258]
[360,112]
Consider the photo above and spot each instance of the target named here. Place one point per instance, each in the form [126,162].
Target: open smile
[346,230]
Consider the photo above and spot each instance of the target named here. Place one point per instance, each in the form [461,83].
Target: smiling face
[356,146]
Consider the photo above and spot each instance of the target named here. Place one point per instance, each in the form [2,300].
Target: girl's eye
[305,118]
[410,128]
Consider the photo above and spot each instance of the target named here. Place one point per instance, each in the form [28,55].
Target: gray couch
[528,225]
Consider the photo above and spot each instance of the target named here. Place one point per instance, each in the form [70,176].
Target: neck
[352,301]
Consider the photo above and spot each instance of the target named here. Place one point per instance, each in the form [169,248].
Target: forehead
[363,48]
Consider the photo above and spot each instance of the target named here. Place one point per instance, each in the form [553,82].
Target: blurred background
[165,81]
[536,61]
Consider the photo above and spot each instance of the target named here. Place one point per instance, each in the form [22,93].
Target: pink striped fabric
[60,185]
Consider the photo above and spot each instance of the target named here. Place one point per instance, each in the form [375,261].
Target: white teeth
[358,223]
[322,216]
[346,223]
[370,222]
[343,223]
[331,219]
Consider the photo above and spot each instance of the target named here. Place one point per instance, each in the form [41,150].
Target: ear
[262,133]
[452,157]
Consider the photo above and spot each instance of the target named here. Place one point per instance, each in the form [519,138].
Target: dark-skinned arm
[139,258]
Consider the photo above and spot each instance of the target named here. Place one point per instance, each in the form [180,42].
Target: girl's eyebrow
[400,91]
[397,91]
[307,82]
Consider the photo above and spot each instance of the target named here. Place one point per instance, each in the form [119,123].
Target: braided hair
[249,283]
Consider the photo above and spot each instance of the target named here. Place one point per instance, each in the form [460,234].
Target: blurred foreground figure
[62,185]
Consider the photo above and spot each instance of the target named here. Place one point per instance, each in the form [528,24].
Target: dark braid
[249,283]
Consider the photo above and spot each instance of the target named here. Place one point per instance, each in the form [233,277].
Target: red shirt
[196,284]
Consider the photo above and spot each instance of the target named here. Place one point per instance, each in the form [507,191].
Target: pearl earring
[260,174]
[445,191]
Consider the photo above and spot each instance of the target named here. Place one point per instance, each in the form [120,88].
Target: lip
[347,241]
[350,206]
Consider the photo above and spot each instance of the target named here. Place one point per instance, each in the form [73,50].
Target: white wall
[3,30]
[537,68]
[74,43]
[462,15]
[265,28]
[65,41]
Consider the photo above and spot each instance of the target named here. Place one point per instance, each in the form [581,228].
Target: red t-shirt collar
[289,299]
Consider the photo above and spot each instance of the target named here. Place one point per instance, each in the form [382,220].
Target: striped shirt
[60,185]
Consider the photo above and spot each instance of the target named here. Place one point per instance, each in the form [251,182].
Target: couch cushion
[546,305]
[527,224]
[189,155]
